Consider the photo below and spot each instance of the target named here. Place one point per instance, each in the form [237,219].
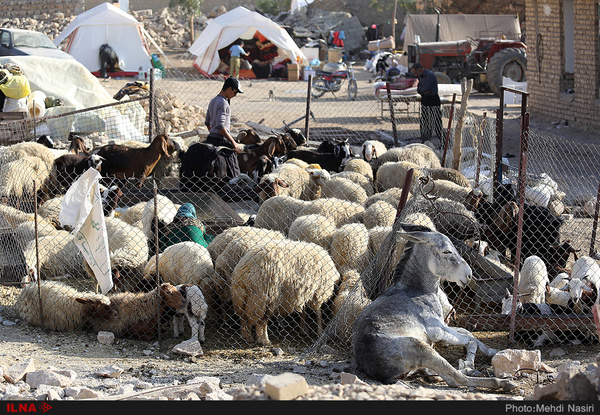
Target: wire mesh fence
[293,250]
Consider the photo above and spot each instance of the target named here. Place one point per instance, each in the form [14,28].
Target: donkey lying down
[393,336]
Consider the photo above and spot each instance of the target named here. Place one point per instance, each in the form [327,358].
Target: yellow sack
[16,87]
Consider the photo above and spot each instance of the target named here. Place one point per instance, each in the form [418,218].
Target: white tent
[243,24]
[106,23]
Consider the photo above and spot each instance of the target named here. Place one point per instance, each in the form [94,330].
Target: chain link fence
[293,250]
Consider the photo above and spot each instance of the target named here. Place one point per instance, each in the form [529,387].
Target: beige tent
[459,26]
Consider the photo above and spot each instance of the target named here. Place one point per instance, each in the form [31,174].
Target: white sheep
[25,232]
[315,228]
[24,177]
[58,255]
[361,167]
[344,189]
[360,179]
[339,211]
[533,280]
[288,179]
[15,216]
[59,309]
[373,149]
[419,154]
[165,211]
[220,242]
[446,189]
[278,212]
[181,263]
[194,309]
[349,301]
[379,214]
[27,149]
[393,174]
[349,247]
[132,214]
[231,254]
[391,196]
[448,173]
[278,279]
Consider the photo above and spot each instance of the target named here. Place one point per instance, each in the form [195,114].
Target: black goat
[330,155]
[68,167]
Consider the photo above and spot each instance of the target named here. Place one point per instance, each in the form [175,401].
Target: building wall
[546,84]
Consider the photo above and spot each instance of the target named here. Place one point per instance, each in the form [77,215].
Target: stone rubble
[24,381]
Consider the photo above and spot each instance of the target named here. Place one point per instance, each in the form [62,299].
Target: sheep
[360,166]
[67,168]
[27,149]
[348,303]
[25,232]
[181,263]
[59,310]
[584,285]
[419,154]
[139,314]
[15,216]
[358,178]
[278,212]
[288,179]
[222,240]
[300,163]
[344,189]
[349,247]
[315,228]
[318,177]
[163,214]
[25,177]
[231,254]
[340,212]
[446,189]
[533,280]
[126,162]
[133,214]
[379,214]
[280,278]
[391,196]
[373,149]
[393,174]
[58,255]
[194,309]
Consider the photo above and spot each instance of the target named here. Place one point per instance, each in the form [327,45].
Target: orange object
[260,37]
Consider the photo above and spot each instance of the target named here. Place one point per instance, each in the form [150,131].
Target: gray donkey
[392,337]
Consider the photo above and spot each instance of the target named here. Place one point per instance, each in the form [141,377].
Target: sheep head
[97,309]
[170,296]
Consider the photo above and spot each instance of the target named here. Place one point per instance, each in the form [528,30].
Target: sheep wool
[392,174]
[340,212]
[181,263]
[361,167]
[22,177]
[446,189]
[315,228]
[27,149]
[533,280]
[360,179]
[58,255]
[419,154]
[60,310]
[391,196]
[133,214]
[350,247]
[278,212]
[379,214]
[278,279]
[15,216]
[344,189]
[348,304]
[220,242]
[165,210]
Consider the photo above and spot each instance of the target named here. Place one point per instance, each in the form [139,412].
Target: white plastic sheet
[81,209]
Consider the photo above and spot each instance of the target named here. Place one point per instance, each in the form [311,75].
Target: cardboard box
[293,72]
[334,55]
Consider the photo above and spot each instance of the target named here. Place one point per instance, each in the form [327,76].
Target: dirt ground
[82,353]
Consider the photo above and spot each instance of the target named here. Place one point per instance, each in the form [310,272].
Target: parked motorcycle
[331,79]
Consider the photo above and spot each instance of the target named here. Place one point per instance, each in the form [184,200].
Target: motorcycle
[331,79]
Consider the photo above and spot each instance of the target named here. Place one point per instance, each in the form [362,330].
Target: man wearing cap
[218,123]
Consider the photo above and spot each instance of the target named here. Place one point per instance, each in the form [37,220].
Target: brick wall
[545,63]
[29,8]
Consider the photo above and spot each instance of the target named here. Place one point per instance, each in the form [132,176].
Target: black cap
[233,82]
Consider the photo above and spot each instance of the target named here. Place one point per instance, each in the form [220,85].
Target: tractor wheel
[509,63]
[442,78]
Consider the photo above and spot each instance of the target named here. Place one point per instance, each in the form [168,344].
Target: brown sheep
[125,162]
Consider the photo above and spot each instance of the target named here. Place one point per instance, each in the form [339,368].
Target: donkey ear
[416,237]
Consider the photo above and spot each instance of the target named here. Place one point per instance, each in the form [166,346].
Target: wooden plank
[501,322]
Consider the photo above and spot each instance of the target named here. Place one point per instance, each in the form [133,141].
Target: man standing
[431,111]
[218,123]
[236,52]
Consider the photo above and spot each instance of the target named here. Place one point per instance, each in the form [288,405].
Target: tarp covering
[106,23]
[459,26]
[243,24]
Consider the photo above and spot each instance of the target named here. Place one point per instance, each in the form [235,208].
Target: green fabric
[183,234]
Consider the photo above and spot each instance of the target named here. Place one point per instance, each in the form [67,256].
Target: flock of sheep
[311,239]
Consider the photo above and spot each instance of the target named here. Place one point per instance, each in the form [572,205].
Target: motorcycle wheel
[318,82]
[352,89]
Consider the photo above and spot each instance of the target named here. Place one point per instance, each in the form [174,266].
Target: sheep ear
[282,183]
[86,301]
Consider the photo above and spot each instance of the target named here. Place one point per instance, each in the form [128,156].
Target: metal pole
[392,115]
[595,225]
[308,94]
[151,106]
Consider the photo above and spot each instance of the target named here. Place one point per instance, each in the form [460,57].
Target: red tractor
[485,61]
